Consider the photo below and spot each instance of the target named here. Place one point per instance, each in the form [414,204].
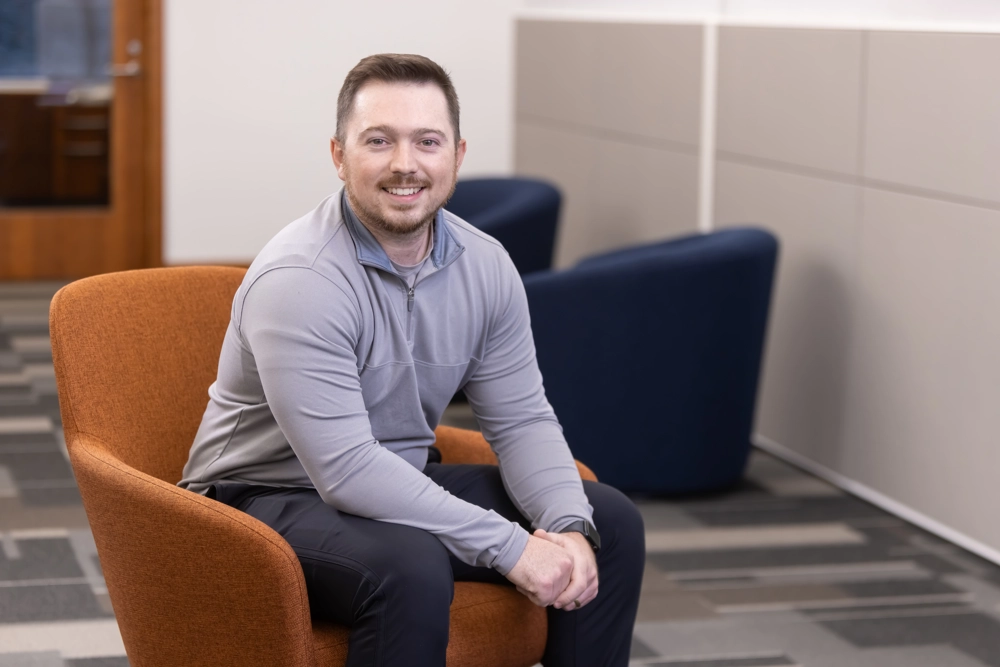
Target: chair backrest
[520,213]
[658,347]
[134,354]
[192,581]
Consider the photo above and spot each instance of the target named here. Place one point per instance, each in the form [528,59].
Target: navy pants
[393,584]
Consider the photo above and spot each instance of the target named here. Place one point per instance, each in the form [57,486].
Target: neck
[404,249]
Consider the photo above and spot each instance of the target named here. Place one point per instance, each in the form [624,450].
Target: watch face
[593,536]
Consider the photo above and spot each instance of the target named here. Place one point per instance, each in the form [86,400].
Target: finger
[582,600]
[588,595]
[581,575]
[563,595]
[561,541]
[592,585]
[544,599]
[586,576]
[555,538]
[577,586]
[592,588]
[568,598]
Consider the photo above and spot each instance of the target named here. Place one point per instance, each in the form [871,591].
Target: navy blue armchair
[651,357]
[520,213]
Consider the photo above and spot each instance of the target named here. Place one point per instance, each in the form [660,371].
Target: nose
[403,159]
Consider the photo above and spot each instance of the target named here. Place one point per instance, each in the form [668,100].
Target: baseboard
[876,498]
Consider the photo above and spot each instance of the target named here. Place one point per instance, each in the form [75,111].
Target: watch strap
[588,530]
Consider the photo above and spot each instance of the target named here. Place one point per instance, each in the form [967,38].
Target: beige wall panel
[924,422]
[804,384]
[568,160]
[643,80]
[648,80]
[933,112]
[554,75]
[641,194]
[791,95]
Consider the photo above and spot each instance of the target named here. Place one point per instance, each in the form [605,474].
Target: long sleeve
[508,399]
[303,332]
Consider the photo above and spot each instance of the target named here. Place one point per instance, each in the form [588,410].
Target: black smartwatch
[586,529]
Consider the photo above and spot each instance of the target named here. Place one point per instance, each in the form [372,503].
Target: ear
[460,155]
[337,153]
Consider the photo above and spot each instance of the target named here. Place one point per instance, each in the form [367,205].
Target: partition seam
[706,162]
[623,137]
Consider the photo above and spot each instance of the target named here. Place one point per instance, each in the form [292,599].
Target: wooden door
[106,220]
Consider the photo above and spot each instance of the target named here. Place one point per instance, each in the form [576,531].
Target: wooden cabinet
[53,155]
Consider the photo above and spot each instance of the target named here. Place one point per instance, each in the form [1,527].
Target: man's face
[398,159]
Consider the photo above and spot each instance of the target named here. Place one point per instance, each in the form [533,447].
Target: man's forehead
[378,103]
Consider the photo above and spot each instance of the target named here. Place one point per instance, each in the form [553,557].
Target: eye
[427,143]
[377,141]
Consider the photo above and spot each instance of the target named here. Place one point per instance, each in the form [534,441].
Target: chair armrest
[192,581]
[459,445]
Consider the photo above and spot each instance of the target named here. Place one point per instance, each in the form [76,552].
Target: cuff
[511,551]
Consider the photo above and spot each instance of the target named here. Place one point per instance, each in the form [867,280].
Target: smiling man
[350,333]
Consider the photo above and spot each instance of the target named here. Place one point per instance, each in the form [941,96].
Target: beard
[372,216]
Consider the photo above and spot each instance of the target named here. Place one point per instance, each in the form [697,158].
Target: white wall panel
[818,14]
[836,11]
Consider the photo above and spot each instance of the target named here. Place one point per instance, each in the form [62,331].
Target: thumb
[551,537]
[555,538]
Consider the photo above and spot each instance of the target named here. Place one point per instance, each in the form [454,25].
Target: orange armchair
[192,581]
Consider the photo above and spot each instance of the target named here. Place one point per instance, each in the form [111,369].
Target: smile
[402,192]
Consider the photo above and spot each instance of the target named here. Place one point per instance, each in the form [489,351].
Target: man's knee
[617,518]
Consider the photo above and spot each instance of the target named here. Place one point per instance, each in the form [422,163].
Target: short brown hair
[395,68]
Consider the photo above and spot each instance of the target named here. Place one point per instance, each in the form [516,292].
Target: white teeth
[403,191]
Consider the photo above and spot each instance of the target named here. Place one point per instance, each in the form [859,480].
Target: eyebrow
[385,129]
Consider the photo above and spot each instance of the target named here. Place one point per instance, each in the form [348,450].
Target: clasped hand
[557,569]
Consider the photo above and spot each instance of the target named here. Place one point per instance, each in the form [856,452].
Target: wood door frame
[152,237]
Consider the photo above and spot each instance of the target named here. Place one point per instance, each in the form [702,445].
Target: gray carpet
[784,570]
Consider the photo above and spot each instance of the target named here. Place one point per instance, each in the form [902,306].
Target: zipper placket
[410,291]
[409,307]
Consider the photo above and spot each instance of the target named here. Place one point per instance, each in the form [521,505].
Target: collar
[446,248]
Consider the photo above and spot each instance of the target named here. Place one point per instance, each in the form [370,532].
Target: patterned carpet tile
[782,570]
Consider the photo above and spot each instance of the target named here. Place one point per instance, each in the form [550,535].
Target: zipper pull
[409,301]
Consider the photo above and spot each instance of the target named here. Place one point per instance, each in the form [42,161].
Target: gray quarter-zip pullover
[334,373]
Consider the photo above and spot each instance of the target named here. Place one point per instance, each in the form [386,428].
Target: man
[350,333]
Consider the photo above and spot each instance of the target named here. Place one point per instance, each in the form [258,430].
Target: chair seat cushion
[485,620]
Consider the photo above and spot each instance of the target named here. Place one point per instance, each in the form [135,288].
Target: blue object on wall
[17,38]
[651,357]
[520,213]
